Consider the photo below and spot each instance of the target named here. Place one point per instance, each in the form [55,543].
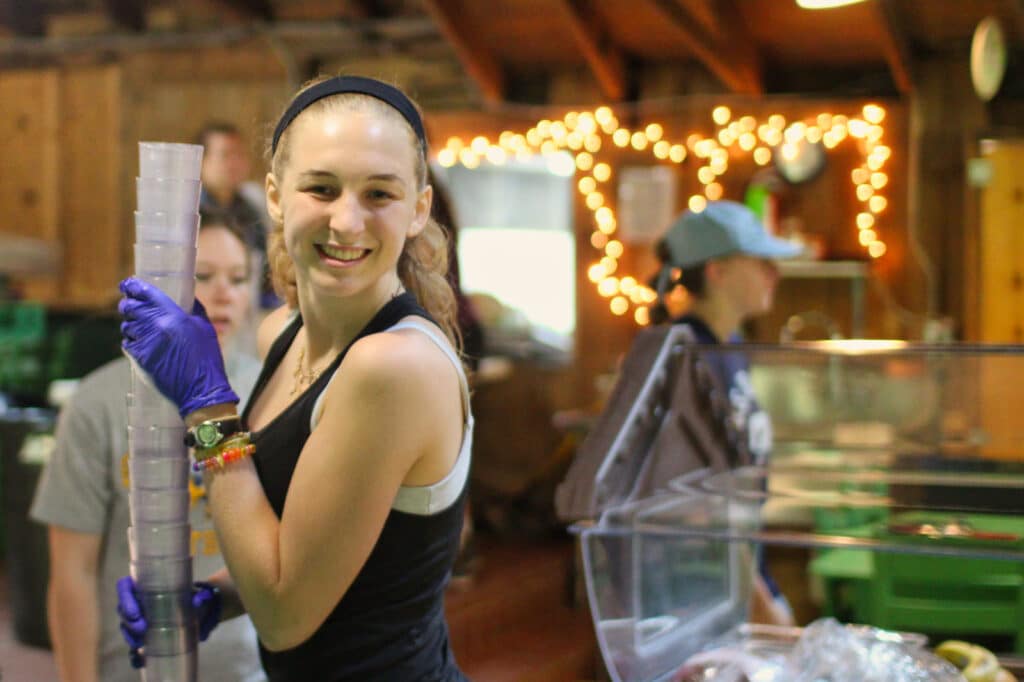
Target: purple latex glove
[206,601]
[179,351]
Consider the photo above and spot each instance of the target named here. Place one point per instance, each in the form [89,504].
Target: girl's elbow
[281,639]
[282,634]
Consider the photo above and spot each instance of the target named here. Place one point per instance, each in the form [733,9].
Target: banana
[977,664]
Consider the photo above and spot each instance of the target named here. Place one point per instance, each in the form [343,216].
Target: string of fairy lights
[585,135]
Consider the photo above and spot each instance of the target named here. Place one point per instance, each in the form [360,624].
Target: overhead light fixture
[825,4]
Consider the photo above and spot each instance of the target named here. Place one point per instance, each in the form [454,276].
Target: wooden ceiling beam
[605,59]
[735,66]
[896,45]
[1013,14]
[262,10]
[478,61]
[22,18]
[129,14]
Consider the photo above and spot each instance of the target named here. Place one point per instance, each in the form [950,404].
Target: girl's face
[349,200]
[222,279]
[748,282]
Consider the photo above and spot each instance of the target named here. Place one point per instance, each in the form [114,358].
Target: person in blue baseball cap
[726,261]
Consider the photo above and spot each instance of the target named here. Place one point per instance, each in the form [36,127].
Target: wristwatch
[208,434]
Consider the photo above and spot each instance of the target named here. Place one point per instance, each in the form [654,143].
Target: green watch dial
[207,435]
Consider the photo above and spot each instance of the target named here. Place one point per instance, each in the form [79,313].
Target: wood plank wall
[166,96]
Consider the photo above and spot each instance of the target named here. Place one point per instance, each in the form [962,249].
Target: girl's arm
[398,401]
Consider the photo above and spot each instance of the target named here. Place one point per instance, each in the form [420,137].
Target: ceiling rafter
[127,13]
[263,10]
[605,59]
[478,61]
[22,19]
[1013,14]
[738,69]
[896,45]
[370,9]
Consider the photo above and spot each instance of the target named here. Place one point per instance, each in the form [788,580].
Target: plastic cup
[149,410]
[155,505]
[169,640]
[164,258]
[176,668]
[163,439]
[180,287]
[162,574]
[158,473]
[144,393]
[164,227]
[170,160]
[167,608]
[159,540]
[167,195]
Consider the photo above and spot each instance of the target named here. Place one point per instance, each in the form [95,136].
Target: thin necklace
[303,378]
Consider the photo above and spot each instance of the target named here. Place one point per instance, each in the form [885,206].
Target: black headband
[364,86]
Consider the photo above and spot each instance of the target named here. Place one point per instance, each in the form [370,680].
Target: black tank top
[389,625]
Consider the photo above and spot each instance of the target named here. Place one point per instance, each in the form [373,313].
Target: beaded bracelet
[223,458]
[232,449]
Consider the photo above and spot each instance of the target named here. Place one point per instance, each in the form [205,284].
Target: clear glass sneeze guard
[897,450]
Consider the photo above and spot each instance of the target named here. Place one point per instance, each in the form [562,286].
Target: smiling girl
[338,494]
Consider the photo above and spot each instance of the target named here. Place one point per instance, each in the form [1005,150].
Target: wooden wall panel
[30,187]
[92,222]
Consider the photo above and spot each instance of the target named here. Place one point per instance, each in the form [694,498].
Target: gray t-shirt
[85,488]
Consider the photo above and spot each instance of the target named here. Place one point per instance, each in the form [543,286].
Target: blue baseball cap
[723,228]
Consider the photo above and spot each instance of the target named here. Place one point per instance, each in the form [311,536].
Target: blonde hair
[423,263]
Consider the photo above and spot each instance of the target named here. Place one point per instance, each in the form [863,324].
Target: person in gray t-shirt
[83,496]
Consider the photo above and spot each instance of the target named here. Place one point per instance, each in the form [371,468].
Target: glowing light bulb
[873,113]
[877,203]
[609,286]
[584,161]
[614,249]
[705,175]
[677,153]
[876,249]
[595,200]
[879,180]
[697,203]
[592,143]
[642,316]
[864,192]
[599,240]
[479,144]
[610,265]
[662,148]
[762,155]
[638,140]
[865,221]
[866,237]
[586,185]
[619,305]
[595,273]
[654,132]
[620,137]
[721,115]
[713,191]
[602,172]
[446,157]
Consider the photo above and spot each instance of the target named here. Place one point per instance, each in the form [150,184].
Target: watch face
[207,434]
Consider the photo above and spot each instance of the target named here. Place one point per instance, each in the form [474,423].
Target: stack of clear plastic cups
[166,229]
